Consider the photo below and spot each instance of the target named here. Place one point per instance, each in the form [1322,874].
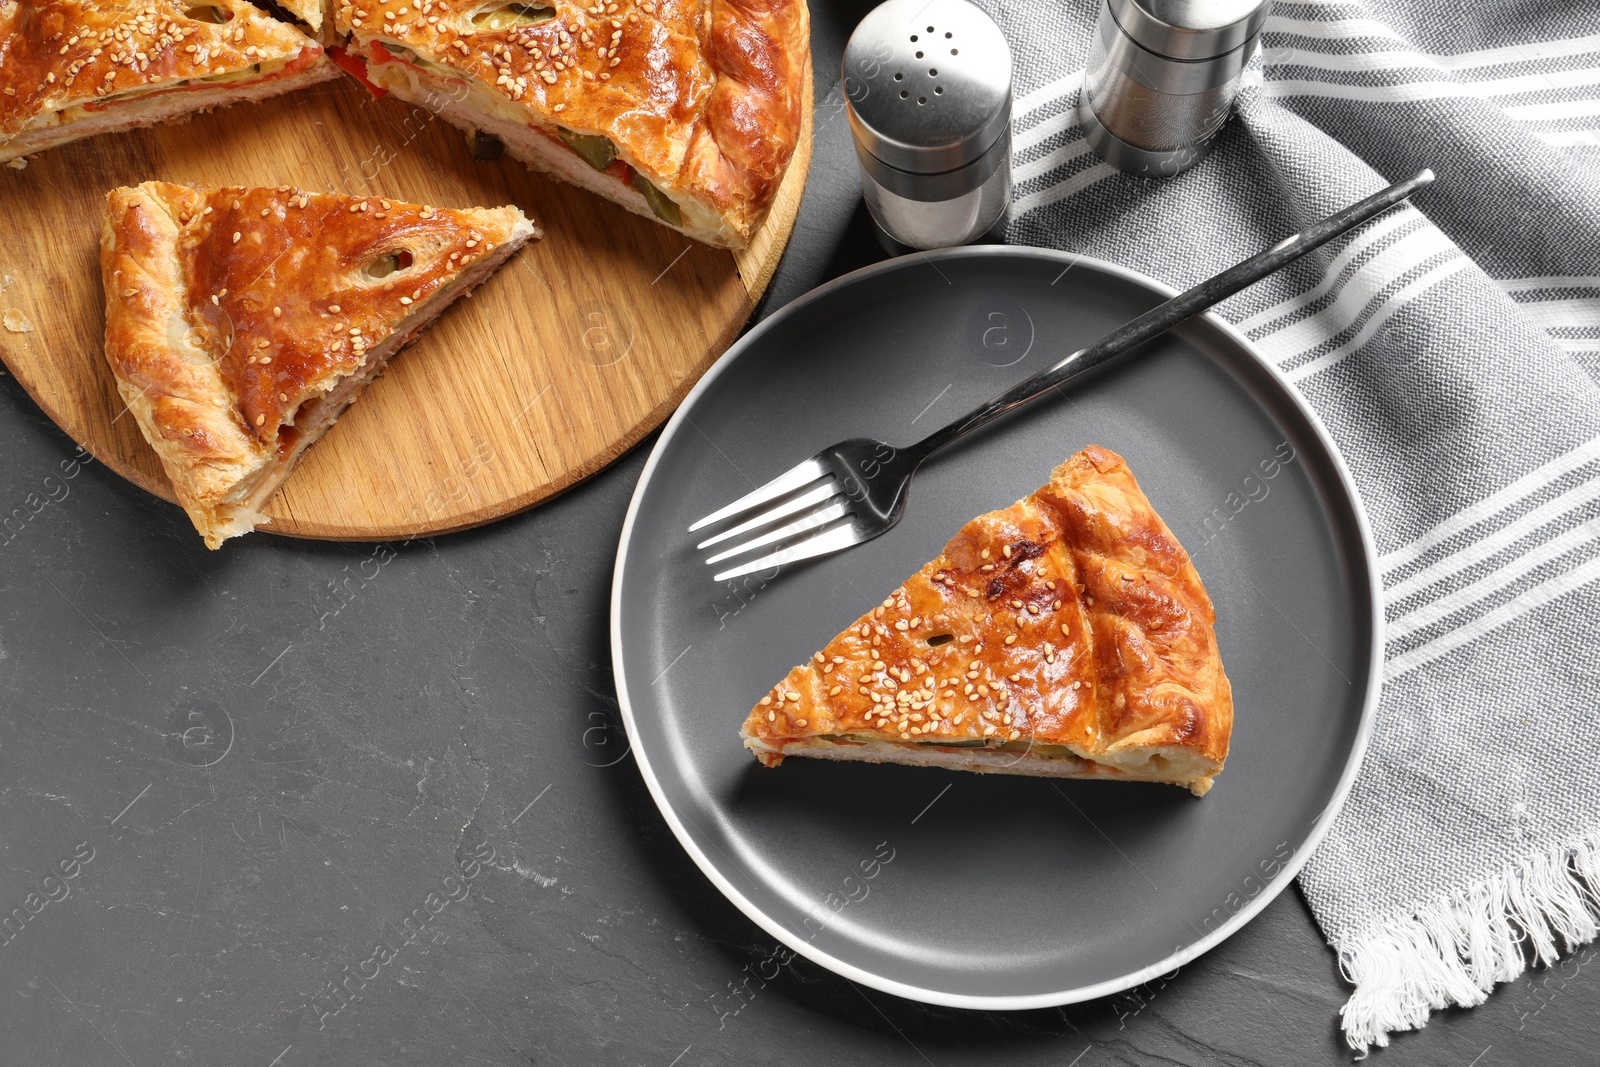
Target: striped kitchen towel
[1454,357]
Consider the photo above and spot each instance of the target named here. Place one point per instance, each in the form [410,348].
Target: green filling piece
[659,202]
[208,13]
[426,64]
[509,16]
[384,266]
[255,68]
[597,151]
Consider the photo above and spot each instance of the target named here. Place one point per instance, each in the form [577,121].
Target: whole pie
[241,322]
[687,111]
[71,69]
[1067,635]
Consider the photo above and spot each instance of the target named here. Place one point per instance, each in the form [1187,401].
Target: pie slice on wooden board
[687,111]
[1067,636]
[241,322]
[70,68]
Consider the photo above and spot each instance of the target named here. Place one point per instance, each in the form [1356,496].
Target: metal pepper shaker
[928,91]
[1162,76]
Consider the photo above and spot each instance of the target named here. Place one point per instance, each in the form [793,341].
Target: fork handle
[1186,305]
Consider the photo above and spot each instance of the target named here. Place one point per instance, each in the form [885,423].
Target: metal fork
[853,491]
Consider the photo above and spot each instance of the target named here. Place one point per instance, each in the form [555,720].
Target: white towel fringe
[1456,949]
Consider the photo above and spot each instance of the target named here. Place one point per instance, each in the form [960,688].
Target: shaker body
[928,96]
[1148,113]
[923,211]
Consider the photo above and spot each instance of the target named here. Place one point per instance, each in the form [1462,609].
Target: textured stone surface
[399,767]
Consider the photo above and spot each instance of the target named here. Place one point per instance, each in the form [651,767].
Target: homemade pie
[1067,635]
[687,111]
[70,69]
[241,322]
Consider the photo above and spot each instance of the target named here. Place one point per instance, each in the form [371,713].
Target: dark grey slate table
[353,804]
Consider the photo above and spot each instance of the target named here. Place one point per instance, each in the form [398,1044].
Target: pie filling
[590,160]
[993,744]
[1172,765]
[145,104]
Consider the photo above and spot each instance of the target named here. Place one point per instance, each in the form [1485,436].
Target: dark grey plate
[985,890]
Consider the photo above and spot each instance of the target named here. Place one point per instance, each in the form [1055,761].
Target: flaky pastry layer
[241,322]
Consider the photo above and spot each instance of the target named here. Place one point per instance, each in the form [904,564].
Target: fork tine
[840,537]
[816,519]
[800,474]
[805,502]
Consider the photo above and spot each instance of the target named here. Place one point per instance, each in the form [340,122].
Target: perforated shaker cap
[927,84]
[1189,29]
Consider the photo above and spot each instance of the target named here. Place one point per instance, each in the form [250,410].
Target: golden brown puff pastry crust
[231,312]
[65,61]
[701,97]
[311,12]
[1070,628]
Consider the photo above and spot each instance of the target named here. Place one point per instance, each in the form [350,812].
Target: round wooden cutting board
[573,351]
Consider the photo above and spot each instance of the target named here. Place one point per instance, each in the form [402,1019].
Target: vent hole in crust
[509,16]
[940,639]
[386,265]
[215,14]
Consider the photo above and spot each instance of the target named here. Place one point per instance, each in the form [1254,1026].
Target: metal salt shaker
[1162,76]
[928,91]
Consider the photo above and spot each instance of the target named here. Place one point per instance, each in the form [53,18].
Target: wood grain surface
[578,347]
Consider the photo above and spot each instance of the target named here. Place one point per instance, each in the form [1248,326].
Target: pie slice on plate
[70,68]
[1067,635]
[687,111]
[241,322]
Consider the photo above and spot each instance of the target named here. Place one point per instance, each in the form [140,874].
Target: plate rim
[1054,998]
